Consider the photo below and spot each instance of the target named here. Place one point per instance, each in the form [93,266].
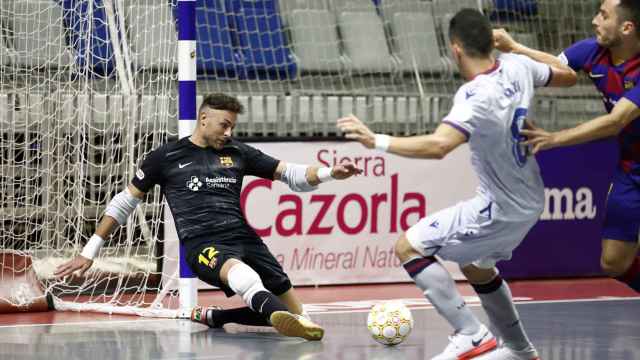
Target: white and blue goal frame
[187,116]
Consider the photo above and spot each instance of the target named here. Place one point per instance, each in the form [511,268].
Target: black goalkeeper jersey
[203,185]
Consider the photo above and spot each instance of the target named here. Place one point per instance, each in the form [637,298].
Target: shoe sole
[288,325]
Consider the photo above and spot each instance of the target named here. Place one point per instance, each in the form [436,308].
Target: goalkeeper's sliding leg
[263,286]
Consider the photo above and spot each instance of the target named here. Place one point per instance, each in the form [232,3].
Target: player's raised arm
[604,126]
[432,146]
[561,74]
[302,178]
[116,213]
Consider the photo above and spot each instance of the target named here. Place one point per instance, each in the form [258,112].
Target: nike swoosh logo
[183,165]
[595,76]
[262,305]
[476,343]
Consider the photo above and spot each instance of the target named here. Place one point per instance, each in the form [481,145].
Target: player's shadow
[256,342]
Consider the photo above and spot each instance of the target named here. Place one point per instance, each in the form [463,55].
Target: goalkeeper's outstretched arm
[303,178]
[115,215]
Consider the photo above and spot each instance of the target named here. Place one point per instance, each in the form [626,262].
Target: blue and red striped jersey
[614,82]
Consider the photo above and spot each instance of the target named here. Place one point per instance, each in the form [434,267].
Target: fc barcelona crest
[629,84]
[226,161]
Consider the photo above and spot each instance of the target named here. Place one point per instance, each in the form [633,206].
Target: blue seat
[261,39]
[216,53]
[514,10]
[75,15]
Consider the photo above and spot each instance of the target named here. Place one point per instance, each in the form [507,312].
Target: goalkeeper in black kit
[201,178]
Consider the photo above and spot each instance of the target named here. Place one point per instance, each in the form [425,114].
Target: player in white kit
[489,111]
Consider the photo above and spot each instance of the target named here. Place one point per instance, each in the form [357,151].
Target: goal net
[88,87]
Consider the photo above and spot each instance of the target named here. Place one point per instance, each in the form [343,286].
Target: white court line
[97,322]
[198,357]
[428,306]
[355,310]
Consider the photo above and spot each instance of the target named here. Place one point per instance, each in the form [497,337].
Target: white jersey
[490,110]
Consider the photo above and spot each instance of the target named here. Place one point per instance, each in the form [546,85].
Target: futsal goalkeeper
[201,177]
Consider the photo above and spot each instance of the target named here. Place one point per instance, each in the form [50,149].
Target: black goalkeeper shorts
[206,260]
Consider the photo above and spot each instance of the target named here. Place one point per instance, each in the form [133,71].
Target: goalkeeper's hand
[80,264]
[344,171]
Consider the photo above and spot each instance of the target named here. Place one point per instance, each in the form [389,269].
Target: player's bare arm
[119,208]
[563,75]
[601,127]
[433,146]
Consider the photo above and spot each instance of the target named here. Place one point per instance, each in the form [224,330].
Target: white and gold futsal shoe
[289,324]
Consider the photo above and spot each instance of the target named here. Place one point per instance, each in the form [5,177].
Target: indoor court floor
[594,319]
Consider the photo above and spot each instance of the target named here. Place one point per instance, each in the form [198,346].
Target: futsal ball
[389,322]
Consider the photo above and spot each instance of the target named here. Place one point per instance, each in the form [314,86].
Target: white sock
[498,304]
[244,281]
[438,286]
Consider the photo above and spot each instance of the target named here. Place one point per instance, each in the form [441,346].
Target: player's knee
[244,281]
[224,269]
[477,275]
[403,248]
[278,285]
[613,266]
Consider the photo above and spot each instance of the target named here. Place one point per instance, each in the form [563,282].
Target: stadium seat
[441,7]
[416,42]
[391,7]
[443,11]
[365,43]
[528,39]
[216,55]
[286,7]
[352,5]
[412,28]
[6,55]
[79,18]
[47,48]
[261,39]
[151,39]
[516,8]
[315,40]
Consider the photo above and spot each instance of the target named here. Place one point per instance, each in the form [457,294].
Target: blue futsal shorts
[622,219]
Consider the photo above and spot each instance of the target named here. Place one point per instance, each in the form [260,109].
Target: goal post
[187,116]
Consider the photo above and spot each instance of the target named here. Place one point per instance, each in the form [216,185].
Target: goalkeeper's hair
[220,101]
[629,10]
[472,31]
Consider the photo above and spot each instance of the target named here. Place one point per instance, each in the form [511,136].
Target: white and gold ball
[390,322]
